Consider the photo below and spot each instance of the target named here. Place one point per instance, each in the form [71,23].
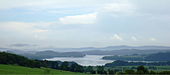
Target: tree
[76,68]
[55,65]
[100,70]
[88,69]
[129,72]
[111,72]
[165,72]
[64,66]
[152,72]
[142,70]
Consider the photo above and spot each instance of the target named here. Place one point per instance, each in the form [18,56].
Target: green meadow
[19,70]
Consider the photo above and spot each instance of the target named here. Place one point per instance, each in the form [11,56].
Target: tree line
[142,70]
[126,63]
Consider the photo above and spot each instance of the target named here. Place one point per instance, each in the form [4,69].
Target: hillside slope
[11,69]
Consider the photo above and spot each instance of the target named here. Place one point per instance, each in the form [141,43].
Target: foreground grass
[18,70]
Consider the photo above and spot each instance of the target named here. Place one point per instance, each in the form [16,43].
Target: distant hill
[125,58]
[44,53]
[96,48]
[126,63]
[136,47]
[109,48]
[47,54]
[124,51]
[52,54]
[161,56]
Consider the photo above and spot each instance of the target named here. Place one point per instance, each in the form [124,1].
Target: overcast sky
[84,23]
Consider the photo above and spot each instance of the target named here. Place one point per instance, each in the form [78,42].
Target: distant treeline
[162,56]
[40,55]
[125,63]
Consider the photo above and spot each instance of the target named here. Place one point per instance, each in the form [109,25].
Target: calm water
[88,60]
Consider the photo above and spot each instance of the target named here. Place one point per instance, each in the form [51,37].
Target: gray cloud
[23,45]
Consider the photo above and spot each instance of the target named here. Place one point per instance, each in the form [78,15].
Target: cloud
[49,4]
[16,26]
[108,8]
[22,45]
[25,26]
[79,19]
[134,38]
[117,37]
[40,30]
[102,18]
[153,39]
[121,7]
[24,31]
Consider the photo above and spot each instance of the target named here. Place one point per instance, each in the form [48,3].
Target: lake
[88,60]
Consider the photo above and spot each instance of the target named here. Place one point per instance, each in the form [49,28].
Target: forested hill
[40,55]
[162,56]
[125,63]
[13,59]
[8,58]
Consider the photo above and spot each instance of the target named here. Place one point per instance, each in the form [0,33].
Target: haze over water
[88,60]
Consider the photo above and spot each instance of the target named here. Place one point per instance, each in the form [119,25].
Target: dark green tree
[142,70]
[100,70]
[76,68]
[152,72]
[88,69]
[111,72]
[64,66]
[129,72]
[165,72]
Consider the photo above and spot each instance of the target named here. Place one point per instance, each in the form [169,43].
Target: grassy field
[18,70]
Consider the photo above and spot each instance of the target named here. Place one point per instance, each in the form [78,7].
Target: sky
[84,23]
